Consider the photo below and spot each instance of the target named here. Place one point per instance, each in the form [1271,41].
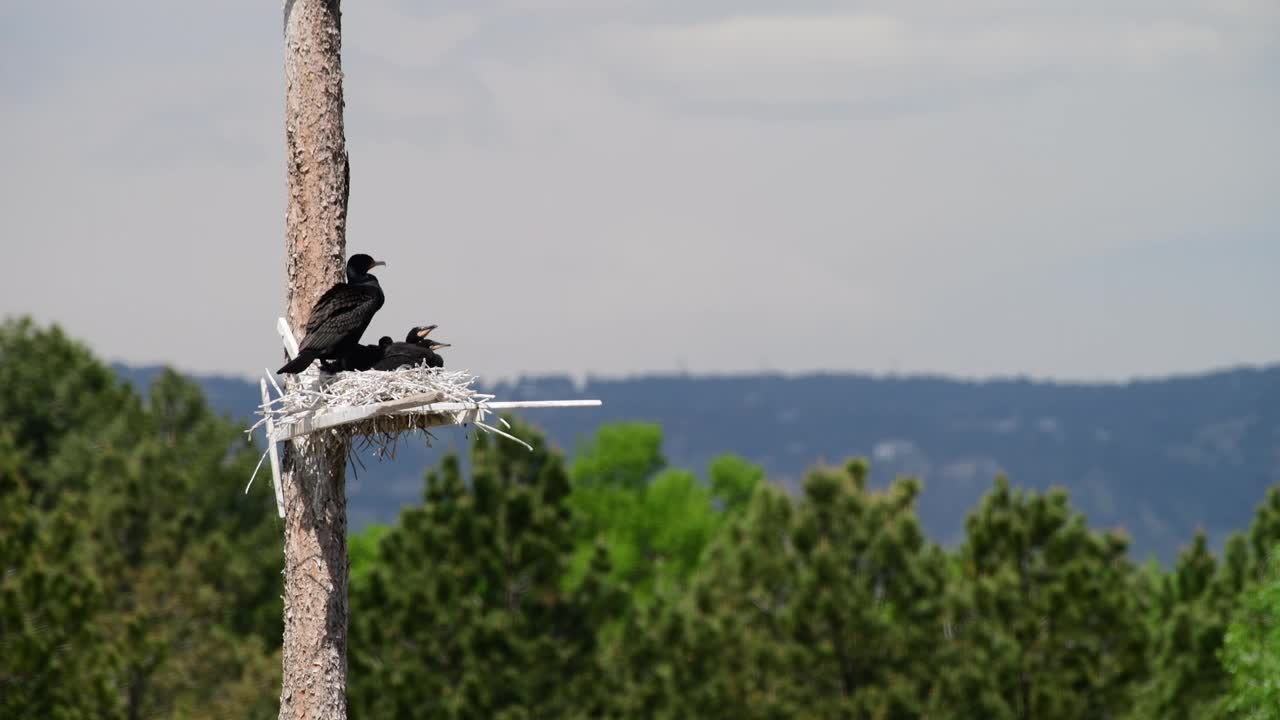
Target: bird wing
[342,310]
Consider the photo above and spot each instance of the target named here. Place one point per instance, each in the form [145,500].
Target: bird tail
[298,364]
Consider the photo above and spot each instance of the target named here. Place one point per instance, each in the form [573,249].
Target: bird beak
[377,263]
[440,345]
[426,330]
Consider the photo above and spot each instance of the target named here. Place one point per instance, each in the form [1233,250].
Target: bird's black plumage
[359,357]
[417,349]
[340,316]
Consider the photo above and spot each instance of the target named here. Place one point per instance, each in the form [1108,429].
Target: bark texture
[314,469]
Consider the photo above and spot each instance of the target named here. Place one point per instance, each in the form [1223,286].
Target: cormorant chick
[417,349]
[340,316]
[360,357]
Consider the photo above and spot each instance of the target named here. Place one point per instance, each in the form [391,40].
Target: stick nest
[311,395]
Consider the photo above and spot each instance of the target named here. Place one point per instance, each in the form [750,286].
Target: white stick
[505,404]
[286,334]
[275,455]
[413,405]
[271,376]
[256,468]
[323,421]
[495,430]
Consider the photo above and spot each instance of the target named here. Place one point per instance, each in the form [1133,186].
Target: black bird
[364,357]
[360,357]
[340,316]
[417,349]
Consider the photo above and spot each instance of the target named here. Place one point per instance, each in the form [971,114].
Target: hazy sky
[1073,189]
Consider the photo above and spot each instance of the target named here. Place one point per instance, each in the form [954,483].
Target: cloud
[618,186]
[851,58]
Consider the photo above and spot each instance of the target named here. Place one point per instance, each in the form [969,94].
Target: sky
[1078,190]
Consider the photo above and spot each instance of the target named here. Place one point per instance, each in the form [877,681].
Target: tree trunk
[314,468]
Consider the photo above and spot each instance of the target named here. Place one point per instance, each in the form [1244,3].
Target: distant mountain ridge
[1158,458]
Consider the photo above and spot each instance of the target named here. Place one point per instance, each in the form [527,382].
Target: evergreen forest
[138,579]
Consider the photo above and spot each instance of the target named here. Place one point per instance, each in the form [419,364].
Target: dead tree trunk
[314,469]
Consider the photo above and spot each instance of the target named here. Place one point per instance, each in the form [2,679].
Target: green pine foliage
[829,607]
[465,614]
[1251,650]
[55,661]
[1188,616]
[137,580]
[1045,618]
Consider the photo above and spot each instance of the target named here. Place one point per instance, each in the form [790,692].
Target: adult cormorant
[340,316]
[417,349]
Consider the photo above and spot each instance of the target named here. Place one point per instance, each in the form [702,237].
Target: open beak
[426,330]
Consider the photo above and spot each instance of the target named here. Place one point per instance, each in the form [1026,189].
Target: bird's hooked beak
[425,330]
[377,263]
[435,344]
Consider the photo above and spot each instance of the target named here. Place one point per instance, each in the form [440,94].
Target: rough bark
[314,469]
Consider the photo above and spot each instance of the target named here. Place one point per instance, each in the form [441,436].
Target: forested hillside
[1160,459]
[138,580]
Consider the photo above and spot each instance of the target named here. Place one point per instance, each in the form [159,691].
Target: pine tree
[831,607]
[194,564]
[1251,650]
[1187,622]
[54,662]
[465,614]
[1044,616]
[134,514]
